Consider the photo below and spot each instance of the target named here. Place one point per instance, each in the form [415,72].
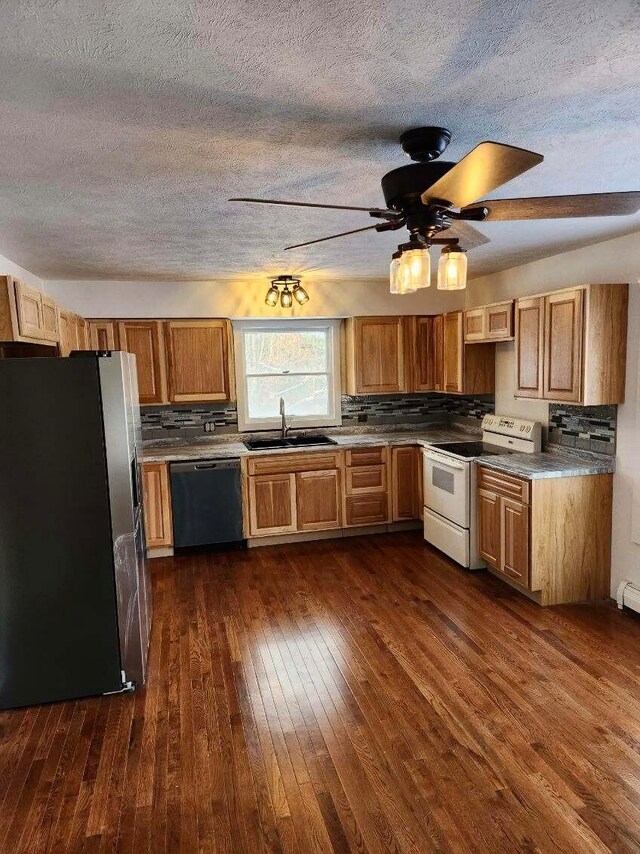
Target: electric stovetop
[470,449]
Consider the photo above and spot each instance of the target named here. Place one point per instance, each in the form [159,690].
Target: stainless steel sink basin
[292,442]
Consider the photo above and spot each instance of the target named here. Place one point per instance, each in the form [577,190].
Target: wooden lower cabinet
[318,500]
[272,504]
[550,535]
[156,499]
[406,483]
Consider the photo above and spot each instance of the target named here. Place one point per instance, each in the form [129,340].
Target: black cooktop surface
[470,449]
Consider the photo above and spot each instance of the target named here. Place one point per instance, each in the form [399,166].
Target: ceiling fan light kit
[285,296]
[430,196]
[452,269]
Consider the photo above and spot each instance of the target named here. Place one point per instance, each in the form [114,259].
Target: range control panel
[521,428]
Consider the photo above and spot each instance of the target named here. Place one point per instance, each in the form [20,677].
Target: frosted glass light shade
[286,298]
[452,270]
[415,270]
[272,296]
[394,285]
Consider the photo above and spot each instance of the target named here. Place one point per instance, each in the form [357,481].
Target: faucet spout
[284,427]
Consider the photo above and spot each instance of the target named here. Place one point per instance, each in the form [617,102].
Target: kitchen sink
[291,442]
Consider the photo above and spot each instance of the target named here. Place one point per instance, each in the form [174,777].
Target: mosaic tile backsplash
[589,428]
[190,421]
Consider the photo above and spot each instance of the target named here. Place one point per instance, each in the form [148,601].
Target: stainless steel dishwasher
[206,497]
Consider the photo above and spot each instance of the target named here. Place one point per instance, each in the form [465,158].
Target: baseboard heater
[628,595]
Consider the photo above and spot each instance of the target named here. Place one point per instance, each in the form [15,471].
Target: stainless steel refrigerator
[75,603]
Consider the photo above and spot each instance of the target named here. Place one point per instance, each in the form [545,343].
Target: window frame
[331,327]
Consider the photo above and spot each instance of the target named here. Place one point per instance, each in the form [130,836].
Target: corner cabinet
[466,369]
[375,355]
[551,537]
[571,345]
[198,360]
[406,483]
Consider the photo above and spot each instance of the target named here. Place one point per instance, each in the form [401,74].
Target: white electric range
[450,518]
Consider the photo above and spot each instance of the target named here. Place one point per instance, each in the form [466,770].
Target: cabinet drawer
[365,479]
[504,484]
[368,509]
[367,456]
[293,463]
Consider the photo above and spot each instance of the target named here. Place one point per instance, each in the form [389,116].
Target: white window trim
[246,424]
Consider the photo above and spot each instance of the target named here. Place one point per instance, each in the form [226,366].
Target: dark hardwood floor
[361,694]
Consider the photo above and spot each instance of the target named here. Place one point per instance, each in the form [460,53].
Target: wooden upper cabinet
[144,339]
[563,318]
[571,345]
[318,500]
[103,335]
[423,354]
[475,324]
[529,346]
[453,352]
[375,355]
[156,499]
[489,322]
[29,307]
[49,315]
[198,360]
[499,322]
[438,353]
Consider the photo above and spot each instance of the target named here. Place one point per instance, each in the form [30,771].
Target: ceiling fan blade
[314,205]
[482,170]
[469,237]
[558,207]
[333,236]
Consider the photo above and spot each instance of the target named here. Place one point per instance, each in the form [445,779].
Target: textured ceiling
[126,124]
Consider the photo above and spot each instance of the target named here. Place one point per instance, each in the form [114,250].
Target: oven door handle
[444,461]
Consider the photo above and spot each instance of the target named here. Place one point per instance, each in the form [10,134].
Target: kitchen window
[298,360]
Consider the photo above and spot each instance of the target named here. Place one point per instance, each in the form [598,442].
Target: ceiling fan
[431,197]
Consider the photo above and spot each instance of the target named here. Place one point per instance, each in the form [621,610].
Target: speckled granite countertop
[225,449]
[551,463]
[554,462]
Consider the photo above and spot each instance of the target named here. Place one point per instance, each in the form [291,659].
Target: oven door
[446,487]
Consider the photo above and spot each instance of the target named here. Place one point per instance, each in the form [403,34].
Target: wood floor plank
[361,695]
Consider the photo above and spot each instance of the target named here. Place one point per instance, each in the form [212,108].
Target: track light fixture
[291,290]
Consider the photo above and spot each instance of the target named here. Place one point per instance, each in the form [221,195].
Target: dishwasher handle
[204,465]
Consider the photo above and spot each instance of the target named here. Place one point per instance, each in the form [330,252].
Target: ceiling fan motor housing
[403,186]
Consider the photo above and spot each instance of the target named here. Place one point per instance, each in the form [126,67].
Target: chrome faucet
[284,427]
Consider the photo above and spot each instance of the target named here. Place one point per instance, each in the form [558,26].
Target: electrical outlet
[209,427]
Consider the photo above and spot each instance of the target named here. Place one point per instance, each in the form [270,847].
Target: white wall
[612,261]
[243,298]
[7,267]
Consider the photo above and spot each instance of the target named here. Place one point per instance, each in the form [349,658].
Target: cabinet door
[379,355]
[272,504]
[50,330]
[424,354]
[499,322]
[475,328]
[453,352]
[103,335]
[563,346]
[515,540]
[65,328]
[438,352]
[197,360]
[405,463]
[144,339]
[318,500]
[29,306]
[529,346]
[156,500]
[489,539]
